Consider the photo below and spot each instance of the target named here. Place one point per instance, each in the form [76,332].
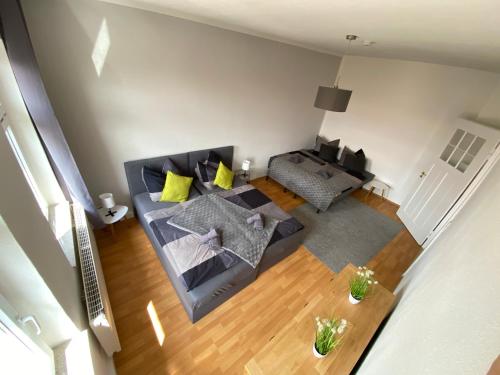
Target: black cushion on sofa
[323,141]
[213,159]
[354,163]
[154,181]
[360,153]
[206,174]
[335,143]
[319,141]
[169,165]
[328,153]
[345,151]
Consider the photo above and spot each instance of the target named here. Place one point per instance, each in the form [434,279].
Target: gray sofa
[303,177]
[204,298]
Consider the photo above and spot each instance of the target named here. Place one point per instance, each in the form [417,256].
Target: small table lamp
[108,202]
[245,166]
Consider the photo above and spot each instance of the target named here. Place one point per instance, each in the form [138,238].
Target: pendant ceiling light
[333,98]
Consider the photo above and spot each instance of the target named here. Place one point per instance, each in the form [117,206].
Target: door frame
[492,136]
[459,204]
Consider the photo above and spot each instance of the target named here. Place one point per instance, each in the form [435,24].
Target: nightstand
[244,175]
[119,213]
[381,186]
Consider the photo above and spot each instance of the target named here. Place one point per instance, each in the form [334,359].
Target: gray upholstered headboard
[185,161]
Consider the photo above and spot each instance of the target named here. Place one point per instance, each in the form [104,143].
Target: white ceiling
[453,32]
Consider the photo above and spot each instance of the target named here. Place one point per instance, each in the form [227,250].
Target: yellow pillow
[176,188]
[224,177]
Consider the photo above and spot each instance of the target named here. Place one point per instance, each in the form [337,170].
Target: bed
[320,183]
[208,293]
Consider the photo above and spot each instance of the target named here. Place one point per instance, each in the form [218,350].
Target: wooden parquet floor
[224,340]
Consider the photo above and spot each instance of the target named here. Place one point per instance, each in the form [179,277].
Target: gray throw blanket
[313,179]
[230,221]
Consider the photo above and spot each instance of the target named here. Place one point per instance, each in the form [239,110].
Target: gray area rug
[349,232]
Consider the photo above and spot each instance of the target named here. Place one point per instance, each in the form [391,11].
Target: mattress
[196,302]
[196,262]
[211,293]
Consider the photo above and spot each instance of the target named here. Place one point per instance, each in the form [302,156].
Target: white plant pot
[353,300]
[316,353]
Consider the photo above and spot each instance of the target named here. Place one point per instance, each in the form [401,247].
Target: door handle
[422,174]
[32,319]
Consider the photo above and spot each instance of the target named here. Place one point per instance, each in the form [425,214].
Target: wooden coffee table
[290,351]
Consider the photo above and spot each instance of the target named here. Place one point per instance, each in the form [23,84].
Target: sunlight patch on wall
[160,334]
[101,47]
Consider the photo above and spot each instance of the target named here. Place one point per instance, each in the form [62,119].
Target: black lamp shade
[332,99]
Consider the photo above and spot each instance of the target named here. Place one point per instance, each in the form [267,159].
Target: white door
[468,147]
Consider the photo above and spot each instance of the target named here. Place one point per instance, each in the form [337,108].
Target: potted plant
[328,335]
[360,285]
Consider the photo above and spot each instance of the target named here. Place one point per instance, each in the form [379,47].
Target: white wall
[35,275]
[25,289]
[398,107]
[34,235]
[490,113]
[170,85]
[448,321]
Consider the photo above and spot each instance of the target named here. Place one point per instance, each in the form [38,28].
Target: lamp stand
[111,213]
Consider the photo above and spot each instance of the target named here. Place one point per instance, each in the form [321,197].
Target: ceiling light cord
[350,38]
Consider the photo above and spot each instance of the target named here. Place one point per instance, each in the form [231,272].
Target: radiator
[96,295]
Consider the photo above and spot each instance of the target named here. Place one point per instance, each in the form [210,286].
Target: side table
[244,175]
[382,186]
[119,213]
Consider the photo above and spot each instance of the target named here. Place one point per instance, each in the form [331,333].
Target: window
[42,202]
[461,149]
[26,146]
[56,211]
